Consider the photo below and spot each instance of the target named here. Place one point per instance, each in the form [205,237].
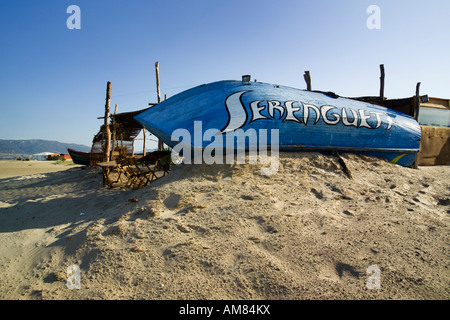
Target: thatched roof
[127,128]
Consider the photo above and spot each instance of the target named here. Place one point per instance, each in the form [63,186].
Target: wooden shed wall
[434,146]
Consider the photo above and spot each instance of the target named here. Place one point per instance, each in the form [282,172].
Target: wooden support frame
[144,151]
[107,152]
[160,143]
[107,149]
[114,133]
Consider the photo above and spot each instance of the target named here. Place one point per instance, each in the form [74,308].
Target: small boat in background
[306,120]
[79,157]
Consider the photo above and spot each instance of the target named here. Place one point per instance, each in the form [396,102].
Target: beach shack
[123,133]
[42,156]
[433,115]
[434,119]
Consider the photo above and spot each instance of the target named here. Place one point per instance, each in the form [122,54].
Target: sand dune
[227,232]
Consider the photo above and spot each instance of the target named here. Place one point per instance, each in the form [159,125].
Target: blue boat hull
[305,120]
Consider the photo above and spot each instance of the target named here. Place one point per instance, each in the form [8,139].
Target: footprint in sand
[172,201]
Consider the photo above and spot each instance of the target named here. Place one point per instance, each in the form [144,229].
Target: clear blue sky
[53,80]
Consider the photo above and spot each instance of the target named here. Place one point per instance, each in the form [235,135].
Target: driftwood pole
[417,102]
[145,141]
[307,78]
[416,114]
[114,133]
[107,129]
[157,81]
[382,82]
[160,143]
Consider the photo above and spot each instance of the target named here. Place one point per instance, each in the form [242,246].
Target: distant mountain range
[14,148]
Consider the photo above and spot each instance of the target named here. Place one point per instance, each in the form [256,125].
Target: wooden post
[107,132]
[307,78]
[107,129]
[160,143]
[416,114]
[417,102]
[114,134]
[157,81]
[145,139]
[382,83]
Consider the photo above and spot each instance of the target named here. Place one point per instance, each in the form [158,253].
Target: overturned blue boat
[305,120]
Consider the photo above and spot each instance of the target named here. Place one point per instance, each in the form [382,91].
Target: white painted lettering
[324,110]
[345,120]
[256,110]
[306,108]
[290,111]
[272,105]
[364,119]
[378,116]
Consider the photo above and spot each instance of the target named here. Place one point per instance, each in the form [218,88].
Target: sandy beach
[309,231]
[15,168]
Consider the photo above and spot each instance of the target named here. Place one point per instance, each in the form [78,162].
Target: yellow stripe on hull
[398,158]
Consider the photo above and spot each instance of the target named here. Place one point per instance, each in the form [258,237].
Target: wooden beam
[382,82]
[160,143]
[417,102]
[157,81]
[114,134]
[107,129]
[107,133]
[416,114]
[307,78]
[145,139]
